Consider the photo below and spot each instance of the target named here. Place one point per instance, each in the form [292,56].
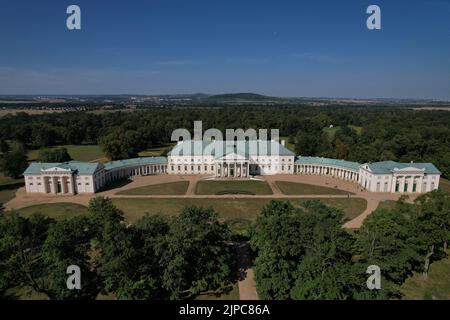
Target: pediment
[232,156]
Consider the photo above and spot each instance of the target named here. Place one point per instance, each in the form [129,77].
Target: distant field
[288,145]
[437,286]
[294,188]
[170,188]
[4,112]
[331,132]
[55,210]
[233,187]
[157,151]
[77,152]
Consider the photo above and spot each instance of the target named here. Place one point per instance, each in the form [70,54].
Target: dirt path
[247,285]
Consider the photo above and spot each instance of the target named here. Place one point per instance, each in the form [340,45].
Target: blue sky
[284,48]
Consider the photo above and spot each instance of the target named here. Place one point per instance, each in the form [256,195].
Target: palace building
[230,160]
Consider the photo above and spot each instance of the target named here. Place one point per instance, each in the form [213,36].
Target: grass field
[288,145]
[437,286]
[4,180]
[77,152]
[8,188]
[238,212]
[444,185]
[55,210]
[232,210]
[294,188]
[331,132]
[233,187]
[157,151]
[170,188]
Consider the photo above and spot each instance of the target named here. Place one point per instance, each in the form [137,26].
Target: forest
[355,133]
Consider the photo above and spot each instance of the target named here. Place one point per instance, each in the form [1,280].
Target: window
[199,168]
[179,168]
[172,168]
[185,168]
[206,168]
[212,168]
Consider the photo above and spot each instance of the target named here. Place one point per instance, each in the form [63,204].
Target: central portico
[231,159]
[232,165]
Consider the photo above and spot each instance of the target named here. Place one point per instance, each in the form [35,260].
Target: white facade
[230,160]
[405,180]
[225,159]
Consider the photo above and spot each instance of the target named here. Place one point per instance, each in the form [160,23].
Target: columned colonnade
[58,184]
[237,169]
[324,170]
[144,170]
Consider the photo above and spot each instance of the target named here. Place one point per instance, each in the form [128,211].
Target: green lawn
[295,188]
[170,188]
[4,180]
[77,152]
[6,195]
[444,185]
[157,151]
[8,188]
[235,211]
[288,145]
[437,286]
[233,187]
[331,132]
[55,210]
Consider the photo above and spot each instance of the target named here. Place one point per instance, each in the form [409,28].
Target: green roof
[390,166]
[354,166]
[75,166]
[220,148]
[135,162]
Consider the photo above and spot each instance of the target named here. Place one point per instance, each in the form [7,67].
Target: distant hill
[241,97]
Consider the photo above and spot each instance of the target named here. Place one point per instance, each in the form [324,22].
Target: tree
[197,256]
[433,226]
[21,242]
[128,258]
[54,155]
[14,162]
[4,146]
[69,243]
[121,144]
[385,239]
[302,253]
